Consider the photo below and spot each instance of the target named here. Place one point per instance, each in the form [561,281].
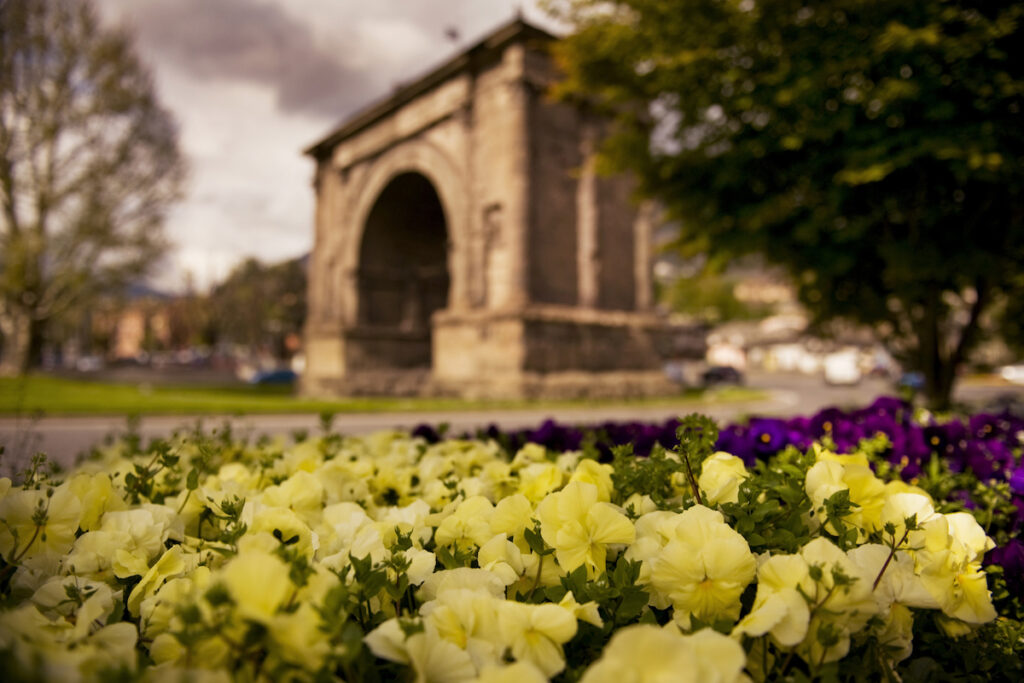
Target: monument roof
[516,30]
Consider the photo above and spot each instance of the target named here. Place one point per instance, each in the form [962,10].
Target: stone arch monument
[465,244]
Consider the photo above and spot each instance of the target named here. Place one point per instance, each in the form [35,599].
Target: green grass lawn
[49,395]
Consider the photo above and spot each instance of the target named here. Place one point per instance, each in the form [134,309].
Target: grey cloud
[254,41]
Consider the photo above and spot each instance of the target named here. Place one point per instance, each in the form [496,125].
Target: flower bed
[393,558]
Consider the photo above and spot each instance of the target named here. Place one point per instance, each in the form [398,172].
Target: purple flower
[1011,558]
[965,497]
[894,408]
[735,440]
[988,459]
[986,426]
[556,437]
[948,441]
[768,435]
[427,433]
[824,422]
[1017,481]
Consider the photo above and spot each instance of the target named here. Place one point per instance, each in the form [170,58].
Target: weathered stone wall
[555,182]
[545,262]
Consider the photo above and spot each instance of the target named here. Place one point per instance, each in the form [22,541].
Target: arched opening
[403,270]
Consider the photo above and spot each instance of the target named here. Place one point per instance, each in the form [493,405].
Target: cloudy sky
[253,82]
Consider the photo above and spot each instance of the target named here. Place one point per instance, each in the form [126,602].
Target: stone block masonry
[465,244]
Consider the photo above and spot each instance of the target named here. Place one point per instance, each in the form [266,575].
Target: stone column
[463,251]
[643,230]
[587,246]
[516,227]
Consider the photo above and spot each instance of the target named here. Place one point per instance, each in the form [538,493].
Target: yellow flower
[302,493]
[277,525]
[899,507]
[298,638]
[587,612]
[479,580]
[432,658]
[37,522]
[644,653]
[502,558]
[899,583]
[166,648]
[529,454]
[97,495]
[593,472]
[517,672]
[867,492]
[469,525]
[800,595]
[536,633]
[158,612]
[172,563]
[469,619]
[580,528]
[960,588]
[653,532]
[540,479]
[720,478]
[704,568]
[511,516]
[258,583]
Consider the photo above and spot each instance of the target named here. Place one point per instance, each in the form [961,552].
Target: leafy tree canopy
[260,305]
[89,166]
[873,148]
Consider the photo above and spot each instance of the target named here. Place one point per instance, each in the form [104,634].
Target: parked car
[842,368]
[279,376]
[911,380]
[721,374]
[1013,373]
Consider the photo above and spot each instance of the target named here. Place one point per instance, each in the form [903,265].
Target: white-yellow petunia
[57,511]
[645,653]
[598,474]
[469,525]
[259,584]
[536,633]
[704,567]
[720,478]
[580,528]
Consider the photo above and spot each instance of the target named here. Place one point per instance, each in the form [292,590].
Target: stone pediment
[485,51]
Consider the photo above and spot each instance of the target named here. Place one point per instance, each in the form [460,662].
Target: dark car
[721,374]
[280,376]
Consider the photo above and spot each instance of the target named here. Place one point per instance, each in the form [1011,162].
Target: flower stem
[892,553]
[692,479]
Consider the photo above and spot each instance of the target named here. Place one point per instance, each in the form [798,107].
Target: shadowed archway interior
[403,266]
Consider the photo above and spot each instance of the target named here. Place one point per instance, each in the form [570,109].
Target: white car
[1012,373]
[842,367]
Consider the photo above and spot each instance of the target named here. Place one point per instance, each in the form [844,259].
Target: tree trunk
[938,376]
[938,386]
[15,354]
[938,367]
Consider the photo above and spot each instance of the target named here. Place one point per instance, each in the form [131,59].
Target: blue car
[912,380]
[280,376]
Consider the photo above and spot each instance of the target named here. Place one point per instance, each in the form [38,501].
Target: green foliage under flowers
[386,558]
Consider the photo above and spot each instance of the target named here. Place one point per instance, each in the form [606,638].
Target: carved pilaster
[643,231]
[588,257]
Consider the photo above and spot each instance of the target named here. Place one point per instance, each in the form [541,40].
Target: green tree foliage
[89,165]
[872,148]
[710,296]
[260,305]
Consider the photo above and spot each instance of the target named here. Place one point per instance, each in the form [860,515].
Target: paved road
[64,438]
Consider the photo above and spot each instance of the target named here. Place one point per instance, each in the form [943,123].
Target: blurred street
[63,438]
